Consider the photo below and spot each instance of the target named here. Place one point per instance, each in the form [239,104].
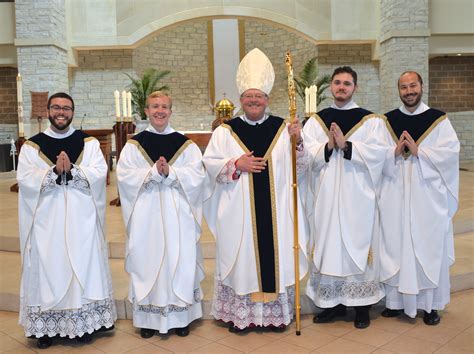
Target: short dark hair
[61,95]
[410,72]
[345,69]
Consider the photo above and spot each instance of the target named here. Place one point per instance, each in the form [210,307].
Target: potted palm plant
[144,86]
[309,76]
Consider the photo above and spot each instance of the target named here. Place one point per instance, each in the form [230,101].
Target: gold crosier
[293,118]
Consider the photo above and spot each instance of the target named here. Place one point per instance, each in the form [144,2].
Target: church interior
[91,49]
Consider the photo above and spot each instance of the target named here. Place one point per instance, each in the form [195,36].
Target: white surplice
[418,198]
[228,211]
[66,287]
[163,220]
[342,211]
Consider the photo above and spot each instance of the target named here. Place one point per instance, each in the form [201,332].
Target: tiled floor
[455,334]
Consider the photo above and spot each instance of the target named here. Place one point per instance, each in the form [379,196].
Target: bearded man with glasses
[66,287]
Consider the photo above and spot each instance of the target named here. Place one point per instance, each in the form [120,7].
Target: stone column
[404,34]
[41,50]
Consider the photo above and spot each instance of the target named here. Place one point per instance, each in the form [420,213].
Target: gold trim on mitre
[255,72]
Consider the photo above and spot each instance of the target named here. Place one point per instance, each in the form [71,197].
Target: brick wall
[93,83]
[359,57]
[183,50]
[8,99]
[404,28]
[451,83]
[275,42]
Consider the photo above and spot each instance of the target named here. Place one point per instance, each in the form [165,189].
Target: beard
[60,127]
[414,103]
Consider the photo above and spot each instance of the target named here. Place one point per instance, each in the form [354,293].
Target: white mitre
[255,72]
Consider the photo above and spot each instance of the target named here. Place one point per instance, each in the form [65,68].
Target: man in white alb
[418,199]
[160,176]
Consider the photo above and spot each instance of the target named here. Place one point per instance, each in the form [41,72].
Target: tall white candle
[129,104]
[315,98]
[117,104]
[19,95]
[124,104]
[306,100]
[19,88]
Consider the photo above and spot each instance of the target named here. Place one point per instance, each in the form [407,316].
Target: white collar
[349,105]
[254,122]
[53,134]
[168,130]
[420,109]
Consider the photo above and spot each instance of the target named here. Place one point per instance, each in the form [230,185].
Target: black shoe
[147,332]
[86,338]
[182,332]
[329,314]
[235,329]
[105,329]
[432,318]
[278,329]
[362,318]
[44,342]
[391,313]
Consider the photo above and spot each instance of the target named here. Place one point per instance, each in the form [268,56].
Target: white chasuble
[342,209]
[163,220]
[65,273]
[418,198]
[230,213]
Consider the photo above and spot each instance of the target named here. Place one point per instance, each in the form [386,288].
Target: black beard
[63,127]
[414,104]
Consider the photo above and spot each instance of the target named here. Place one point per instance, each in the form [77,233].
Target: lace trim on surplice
[345,289]
[166,310]
[242,311]
[70,323]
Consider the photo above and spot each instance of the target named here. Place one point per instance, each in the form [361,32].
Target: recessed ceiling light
[459,54]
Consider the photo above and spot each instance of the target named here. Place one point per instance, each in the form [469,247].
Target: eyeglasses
[57,109]
[256,96]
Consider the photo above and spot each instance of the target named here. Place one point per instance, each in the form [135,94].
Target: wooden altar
[200,138]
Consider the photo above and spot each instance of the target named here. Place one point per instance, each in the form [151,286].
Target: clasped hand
[63,164]
[406,141]
[336,137]
[162,166]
